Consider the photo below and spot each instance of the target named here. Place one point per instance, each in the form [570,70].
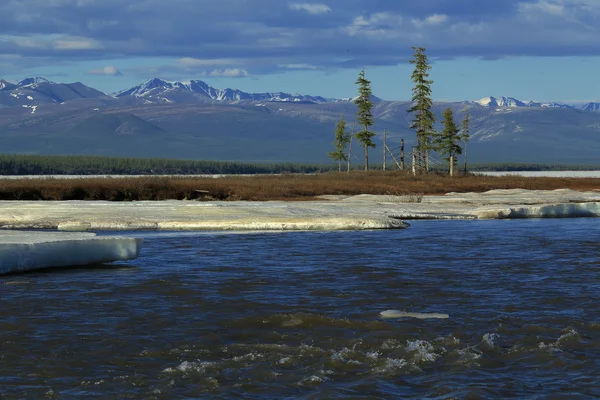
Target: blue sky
[530,49]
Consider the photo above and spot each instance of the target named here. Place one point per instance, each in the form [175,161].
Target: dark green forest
[97,165]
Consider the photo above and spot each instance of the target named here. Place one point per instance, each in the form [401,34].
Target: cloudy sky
[529,49]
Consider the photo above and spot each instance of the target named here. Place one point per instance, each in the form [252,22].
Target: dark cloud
[263,36]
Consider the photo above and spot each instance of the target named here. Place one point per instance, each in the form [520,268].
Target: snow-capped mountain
[501,101]
[35,81]
[511,102]
[5,85]
[160,91]
[593,106]
[32,94]
[373,99]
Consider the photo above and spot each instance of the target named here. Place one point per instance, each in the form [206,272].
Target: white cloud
[311,8]
[298,66]
[30,43]
[108,70]
[384,25]
[435,19]
[542,6]
[74,43]
[196,62]
[229,73]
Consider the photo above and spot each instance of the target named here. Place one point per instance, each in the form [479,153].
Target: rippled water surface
[297,315]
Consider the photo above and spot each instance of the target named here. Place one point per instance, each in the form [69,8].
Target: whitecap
[423,350]
[311,381]
[190,366]
[489,340]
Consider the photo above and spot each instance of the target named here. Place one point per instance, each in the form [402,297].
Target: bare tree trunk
[402,154]
[393,158]
[451,165]
[426,160]
[350,148]
[384,149]
[414,162]
[465,170]
[366,158]
[339,165]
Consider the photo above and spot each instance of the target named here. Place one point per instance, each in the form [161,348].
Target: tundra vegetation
[273,187]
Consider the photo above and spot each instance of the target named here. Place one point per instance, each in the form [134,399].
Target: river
[297,315]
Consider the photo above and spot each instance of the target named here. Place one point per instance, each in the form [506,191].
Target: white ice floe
[329,213]
[23,251]
[403,314]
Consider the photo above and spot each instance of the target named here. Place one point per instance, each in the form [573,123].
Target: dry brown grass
[286,187]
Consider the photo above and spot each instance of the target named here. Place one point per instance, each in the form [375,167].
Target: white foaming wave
[489,340]
[285,361]
[570,334]
[248,357]
[468,356]
[393,366]
[190,367]
[345,356]
[423,351]
[312,381]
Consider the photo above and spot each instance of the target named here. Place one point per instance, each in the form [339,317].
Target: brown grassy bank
[287,187]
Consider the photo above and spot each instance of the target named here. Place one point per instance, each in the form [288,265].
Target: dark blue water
[296,315]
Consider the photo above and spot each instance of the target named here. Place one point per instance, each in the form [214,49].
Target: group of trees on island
[450,142]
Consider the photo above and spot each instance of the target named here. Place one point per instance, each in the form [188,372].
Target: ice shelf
[22,251]
[328,213]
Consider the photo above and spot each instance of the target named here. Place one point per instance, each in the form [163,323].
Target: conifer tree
[342,140]
[364,115]
[424,119]
[448,141]
[465,137]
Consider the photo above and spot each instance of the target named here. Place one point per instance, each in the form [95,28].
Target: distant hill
[194,120]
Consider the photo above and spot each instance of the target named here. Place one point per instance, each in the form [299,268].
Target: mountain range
[191,119]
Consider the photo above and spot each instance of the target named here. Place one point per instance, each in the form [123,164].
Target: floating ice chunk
[404,314]
[24,251]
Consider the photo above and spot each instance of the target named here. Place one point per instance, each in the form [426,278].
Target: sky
[545,50]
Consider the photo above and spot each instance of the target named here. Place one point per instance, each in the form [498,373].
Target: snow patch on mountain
[33,82]
[511,102]
[5,85]
[162,90]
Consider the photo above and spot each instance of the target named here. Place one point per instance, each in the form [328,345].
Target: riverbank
[331,212]
[290,187]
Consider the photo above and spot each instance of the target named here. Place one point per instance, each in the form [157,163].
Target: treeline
[97,165]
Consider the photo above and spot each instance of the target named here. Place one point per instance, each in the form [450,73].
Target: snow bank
[24,251]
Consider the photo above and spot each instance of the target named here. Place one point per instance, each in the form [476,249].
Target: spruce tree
[465,136]
[342,140]
[448,141]
[365,115]
[424,119]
